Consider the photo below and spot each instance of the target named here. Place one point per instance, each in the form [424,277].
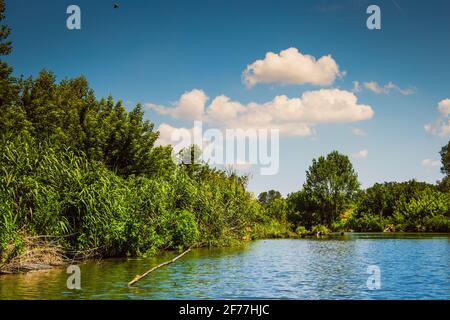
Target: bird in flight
[116,6]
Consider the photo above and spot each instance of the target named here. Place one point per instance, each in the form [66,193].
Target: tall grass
[53,191]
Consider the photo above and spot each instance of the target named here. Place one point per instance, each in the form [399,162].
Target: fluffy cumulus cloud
[190,106]
[292,116]
[373,86]
[430,163]
[290,66]
[361,154]
[441,126]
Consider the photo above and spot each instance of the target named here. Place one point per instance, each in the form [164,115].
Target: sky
[312,69]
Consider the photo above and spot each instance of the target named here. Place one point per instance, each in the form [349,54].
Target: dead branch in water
[138,277]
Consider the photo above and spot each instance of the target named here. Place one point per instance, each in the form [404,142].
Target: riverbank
[40,255]
[413,266]
[37,254]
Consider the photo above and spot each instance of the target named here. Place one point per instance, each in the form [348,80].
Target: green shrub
[180,229]
[437,223]
[301,231]
[320,230]
[365,223]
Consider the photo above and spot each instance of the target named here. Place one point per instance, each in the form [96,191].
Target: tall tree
[332,184]
[12,116]
[267,196]
[445,159]
[5,45]
[444,184]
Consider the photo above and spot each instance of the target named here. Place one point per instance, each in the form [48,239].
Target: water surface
[413,266]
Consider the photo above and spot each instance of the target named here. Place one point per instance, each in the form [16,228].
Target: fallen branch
[138,277]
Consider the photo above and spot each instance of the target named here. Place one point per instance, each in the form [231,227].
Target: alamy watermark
[73,21]
[374,280]
[374,20]
[232,147]
[74,280]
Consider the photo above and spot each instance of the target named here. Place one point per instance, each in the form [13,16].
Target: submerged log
[139,277]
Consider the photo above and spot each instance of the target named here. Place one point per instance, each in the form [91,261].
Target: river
[411,266]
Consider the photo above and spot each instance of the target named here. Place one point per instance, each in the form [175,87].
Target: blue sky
[154,51]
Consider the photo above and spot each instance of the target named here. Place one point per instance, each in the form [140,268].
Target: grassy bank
[83,206]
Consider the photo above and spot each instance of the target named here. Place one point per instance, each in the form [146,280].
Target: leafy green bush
[320,230]
[179,228]
[365,223]
[273,229]
[437,223]
[301,231]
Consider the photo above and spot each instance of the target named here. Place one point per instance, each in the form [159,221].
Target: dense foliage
[330,188]
[46,190]
[331,200]
[407,206]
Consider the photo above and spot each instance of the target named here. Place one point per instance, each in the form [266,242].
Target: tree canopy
[331,185]
[5,45]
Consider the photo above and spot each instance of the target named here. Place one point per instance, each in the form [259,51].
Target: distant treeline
[331,200]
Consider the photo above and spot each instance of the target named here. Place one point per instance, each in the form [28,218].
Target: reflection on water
[413,266]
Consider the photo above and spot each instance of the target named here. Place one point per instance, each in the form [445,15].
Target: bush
[365,223]
[179,229]
[320,230]
[437,223]
[272,229]
[301,231]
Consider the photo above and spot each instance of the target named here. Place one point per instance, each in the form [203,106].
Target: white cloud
[430,163]
[292,116]
[190,106]
[441,126]
[374,87]
[356,86]
[385,89]
[361,154]
[444,107]
[292,67]
[358,132]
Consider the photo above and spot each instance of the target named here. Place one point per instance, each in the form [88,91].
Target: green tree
[444,184]
[445,159]
[190,159]
[11,115]
[68,114]
[5,45]
[278,208]
[267,196]
[332,185]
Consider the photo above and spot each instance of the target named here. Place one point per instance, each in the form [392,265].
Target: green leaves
[5,46]
[68,114]
[50,190]
[331,187]
[407,206]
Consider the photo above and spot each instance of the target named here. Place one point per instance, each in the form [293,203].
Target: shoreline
[14,267]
